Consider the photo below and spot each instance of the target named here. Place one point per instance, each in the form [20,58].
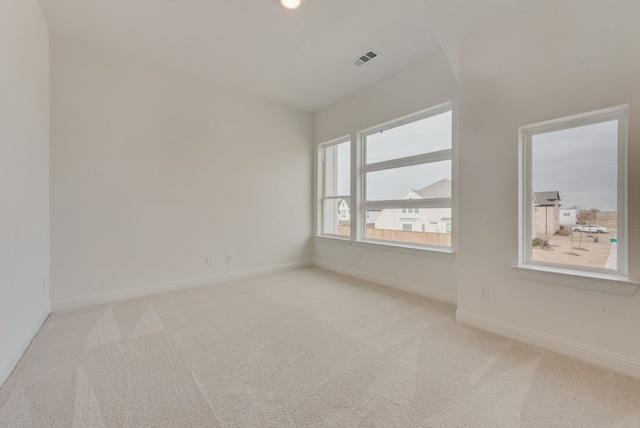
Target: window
[334,188]
[401,174]
[406,175]
[410,211]
[572,195]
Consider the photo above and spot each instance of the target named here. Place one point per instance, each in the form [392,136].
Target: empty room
[301,213]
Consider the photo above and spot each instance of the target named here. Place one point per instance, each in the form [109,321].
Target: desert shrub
[539,242]
[563,231]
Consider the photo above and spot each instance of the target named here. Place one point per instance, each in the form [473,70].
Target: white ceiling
[454,20]
[302,58]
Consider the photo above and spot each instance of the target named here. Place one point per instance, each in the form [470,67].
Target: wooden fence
[431,238]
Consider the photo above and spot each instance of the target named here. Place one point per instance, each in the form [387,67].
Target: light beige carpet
[301,348]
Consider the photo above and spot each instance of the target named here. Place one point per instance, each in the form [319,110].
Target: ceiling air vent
[365,58]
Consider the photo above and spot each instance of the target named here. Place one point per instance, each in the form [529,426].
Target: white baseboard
[600,357]
[431,293]
[5,372]
[114,296]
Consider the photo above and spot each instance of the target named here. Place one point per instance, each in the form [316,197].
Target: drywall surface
[455,19]
[24,177]
[551,60]
[425,84]
[152,173]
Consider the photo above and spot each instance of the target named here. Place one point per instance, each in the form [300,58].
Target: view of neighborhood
[410,159]
[572,236]
[575,222]
[579,161]
[416,225]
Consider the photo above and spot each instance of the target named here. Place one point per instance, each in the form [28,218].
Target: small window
[406,174]
[575,167]
[335,185]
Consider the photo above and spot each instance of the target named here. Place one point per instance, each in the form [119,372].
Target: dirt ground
[579,249]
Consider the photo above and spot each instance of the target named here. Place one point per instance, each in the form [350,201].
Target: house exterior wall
[426,220]
[345,214]
[432,220]
[568,217]
[546,220]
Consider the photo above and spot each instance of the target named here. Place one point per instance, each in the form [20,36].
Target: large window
[335,185]
[406,180]
[572,196]
[401,172]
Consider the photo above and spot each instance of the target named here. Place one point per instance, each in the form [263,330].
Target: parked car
[591,228]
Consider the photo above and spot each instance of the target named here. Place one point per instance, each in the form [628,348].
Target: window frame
[322,191]
[525,211]
[421,159]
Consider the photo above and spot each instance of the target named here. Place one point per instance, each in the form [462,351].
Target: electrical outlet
[208,260]
[484,292]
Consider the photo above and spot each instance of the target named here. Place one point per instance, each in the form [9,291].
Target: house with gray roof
[437,220]
[546,213]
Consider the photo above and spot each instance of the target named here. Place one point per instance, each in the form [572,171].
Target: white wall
[552,60]
[152,172]
[24,177]
[425,84]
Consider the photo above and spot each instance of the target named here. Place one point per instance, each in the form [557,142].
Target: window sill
[442,254]
[606,283]
[332,239]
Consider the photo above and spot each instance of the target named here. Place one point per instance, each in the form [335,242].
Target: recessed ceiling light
[290,4]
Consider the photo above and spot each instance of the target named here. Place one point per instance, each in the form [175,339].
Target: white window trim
[441,253]
[607,280]
[440,155]
[388,246]
[320,176]
[611,284]
[362,168]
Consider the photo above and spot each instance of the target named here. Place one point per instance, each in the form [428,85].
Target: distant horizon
[562,207]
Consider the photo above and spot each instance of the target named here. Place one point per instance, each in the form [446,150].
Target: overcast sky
[344,165]
[427,135]
[580,163]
